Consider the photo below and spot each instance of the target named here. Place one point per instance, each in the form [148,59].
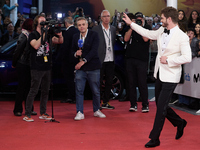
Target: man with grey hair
[68,62]
[107,35]
[87,68]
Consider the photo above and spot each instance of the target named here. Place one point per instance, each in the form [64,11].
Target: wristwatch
[84,60]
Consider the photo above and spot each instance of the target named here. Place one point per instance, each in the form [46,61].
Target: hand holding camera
[52,26]
[59,34]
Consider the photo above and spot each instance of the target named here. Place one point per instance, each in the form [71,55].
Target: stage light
[59,15]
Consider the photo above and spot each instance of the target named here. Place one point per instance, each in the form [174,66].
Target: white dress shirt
[83,38]
[69,27]
[166,38]
[109,48]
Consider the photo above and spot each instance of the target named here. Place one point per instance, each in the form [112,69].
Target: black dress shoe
[18,114]
[180,129]
[33,113]
[72,102]
[152,143]
[139,99]
[66,101]
[123,99]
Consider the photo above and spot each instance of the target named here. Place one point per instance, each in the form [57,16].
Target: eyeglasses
[106,16]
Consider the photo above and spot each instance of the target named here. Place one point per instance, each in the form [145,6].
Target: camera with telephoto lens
[52,27]
[80,12]
[138,21]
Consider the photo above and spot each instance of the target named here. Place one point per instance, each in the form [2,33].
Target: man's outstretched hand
[126,19]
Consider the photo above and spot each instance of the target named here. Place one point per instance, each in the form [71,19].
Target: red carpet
[120,130]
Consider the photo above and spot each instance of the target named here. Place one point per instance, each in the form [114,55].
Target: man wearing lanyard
[87,68]
[173,51]
[107,35]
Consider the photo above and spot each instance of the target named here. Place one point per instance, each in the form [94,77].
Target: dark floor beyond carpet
[120,130]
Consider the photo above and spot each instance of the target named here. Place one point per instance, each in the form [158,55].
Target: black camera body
[52,27]
[80,11]
[138,21]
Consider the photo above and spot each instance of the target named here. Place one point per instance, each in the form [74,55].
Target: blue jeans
[93,78]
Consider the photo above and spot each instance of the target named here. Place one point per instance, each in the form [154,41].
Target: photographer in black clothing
[137,56]
[41,61]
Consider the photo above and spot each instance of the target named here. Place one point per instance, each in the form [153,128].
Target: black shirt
[191,25]
[137,48]
[41,58]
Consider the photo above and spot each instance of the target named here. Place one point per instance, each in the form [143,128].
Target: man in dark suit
[107,35]
[173,51]
[87,68]
[68,62]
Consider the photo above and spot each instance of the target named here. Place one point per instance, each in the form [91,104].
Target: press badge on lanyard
[45,59]
[108,36]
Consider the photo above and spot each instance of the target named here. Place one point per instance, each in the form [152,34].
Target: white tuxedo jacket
[178,52]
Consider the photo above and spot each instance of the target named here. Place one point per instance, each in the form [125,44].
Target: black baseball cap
[131,16]
[139,14]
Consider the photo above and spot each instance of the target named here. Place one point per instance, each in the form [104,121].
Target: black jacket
[89,50]
[22,51]
[102,42]
[65,48]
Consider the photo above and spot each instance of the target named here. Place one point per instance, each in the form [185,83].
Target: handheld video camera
[80,11]
[52,27]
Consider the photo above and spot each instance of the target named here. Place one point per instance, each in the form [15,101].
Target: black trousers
[68,72]
[137,76]
[43,79]
[106,79]
[24,83]
[163,94]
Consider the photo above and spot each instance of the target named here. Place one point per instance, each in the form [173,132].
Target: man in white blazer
[173,51]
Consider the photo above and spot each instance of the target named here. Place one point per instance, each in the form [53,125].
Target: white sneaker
[45,116]
[79,116]
[198,112]
[99,114]
[28,119]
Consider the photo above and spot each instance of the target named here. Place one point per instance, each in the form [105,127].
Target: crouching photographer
[40,64]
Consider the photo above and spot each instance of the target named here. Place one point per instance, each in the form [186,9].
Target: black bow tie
[166,31]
